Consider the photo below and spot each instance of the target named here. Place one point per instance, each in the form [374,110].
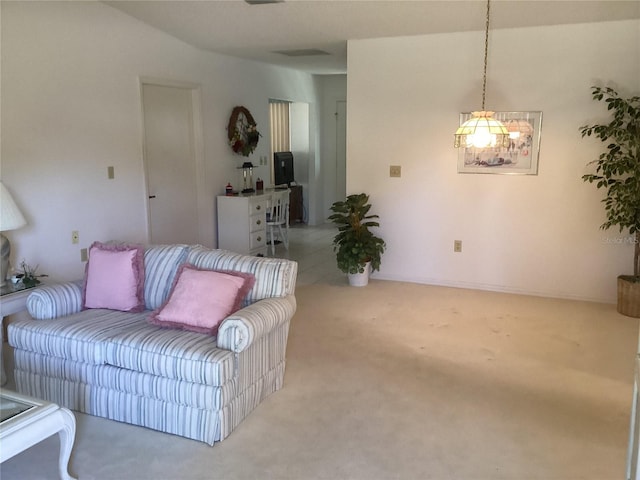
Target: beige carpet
[404,381]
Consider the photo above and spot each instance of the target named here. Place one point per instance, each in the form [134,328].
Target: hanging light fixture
[482,130]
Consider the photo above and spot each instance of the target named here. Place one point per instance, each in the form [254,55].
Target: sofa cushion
[161,264]
[123,380]
[114,277]
[178,354]
[275,277]
[126,340]
[80,337]
[201,299]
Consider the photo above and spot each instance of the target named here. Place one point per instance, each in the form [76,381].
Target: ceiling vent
[262,2]
[306,52]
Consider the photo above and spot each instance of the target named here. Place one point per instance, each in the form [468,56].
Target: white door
[169,150]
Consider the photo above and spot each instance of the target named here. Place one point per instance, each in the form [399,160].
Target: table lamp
[11,218]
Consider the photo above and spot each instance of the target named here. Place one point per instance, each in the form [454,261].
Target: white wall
[532,234]
[71,108]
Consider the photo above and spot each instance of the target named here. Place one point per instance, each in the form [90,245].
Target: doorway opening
[173,161]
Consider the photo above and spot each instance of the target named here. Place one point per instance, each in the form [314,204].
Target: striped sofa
[118,366]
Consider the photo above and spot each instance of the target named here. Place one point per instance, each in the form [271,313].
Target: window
[280,132]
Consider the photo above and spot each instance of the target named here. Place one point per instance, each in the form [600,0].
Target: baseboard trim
[492,288]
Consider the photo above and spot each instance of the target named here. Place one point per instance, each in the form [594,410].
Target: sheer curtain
[279,118]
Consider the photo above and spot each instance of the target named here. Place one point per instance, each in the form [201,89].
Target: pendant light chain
[486,51]
[482,130]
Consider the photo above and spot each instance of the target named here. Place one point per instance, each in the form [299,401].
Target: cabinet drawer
[258,239]
[257,206]
[257,222]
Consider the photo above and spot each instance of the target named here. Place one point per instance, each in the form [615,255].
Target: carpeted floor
[404,381]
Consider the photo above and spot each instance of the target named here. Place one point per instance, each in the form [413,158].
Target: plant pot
[360,279]
[628,296]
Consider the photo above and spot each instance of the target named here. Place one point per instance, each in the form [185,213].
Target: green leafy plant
[618,168]
[355,244]
[29,277]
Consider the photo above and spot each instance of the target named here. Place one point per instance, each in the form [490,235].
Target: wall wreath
[242,132]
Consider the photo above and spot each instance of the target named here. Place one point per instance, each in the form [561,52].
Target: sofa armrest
[57,300]
[242,328]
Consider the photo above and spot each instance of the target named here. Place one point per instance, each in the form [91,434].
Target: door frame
[341,163]
[198,151]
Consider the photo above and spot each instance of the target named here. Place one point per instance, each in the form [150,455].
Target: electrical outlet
[457,246]
[83,255]
[394,170]
[75,237]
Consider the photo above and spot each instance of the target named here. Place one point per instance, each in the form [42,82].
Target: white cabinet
[242,223]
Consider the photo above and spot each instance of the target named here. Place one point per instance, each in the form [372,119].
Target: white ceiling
[235,28]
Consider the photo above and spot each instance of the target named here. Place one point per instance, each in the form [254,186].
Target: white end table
[12,300]
[27,421]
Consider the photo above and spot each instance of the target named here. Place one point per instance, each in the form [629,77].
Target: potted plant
[358,250]
[29,277]
[618,172]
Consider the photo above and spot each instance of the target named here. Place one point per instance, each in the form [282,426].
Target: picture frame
[519,158]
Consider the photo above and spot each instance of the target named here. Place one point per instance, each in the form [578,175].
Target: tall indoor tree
[617,170]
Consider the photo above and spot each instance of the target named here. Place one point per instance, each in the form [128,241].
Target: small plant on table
[29,277]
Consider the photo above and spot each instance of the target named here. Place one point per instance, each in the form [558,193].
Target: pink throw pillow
[201,299]
[114,277]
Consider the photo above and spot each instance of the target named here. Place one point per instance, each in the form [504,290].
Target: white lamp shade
[10,215]
[481,131]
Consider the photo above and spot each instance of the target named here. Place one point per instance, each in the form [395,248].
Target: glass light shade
[481,131]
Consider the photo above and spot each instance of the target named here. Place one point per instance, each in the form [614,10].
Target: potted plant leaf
[617,170]
[358,250]
[29,277]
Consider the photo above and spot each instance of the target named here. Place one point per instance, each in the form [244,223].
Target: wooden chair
[278,219]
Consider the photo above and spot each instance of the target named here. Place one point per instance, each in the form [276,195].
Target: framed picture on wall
[520,157]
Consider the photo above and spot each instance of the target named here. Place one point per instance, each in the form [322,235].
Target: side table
[12,300]
[26,421]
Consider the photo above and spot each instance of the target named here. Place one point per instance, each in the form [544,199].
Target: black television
[283,169]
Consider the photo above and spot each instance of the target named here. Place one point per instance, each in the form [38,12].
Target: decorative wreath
[243,135]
